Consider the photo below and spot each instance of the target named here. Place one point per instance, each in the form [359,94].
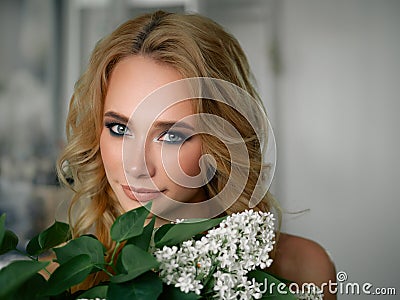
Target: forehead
[136,77]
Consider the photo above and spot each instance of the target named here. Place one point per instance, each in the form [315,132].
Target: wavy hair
[196,47]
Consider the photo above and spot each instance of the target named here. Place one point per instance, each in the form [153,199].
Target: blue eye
[117,129]
[172,137]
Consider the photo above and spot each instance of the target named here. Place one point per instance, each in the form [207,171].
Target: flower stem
[111,262]
[208,279]
[27,255]
[47,271]
[32,258]
[104,270]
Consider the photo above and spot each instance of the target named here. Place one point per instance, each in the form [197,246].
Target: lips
[140,194]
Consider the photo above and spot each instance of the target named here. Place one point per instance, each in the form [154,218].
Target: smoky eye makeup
[116,129]
[173,132]
[116,124]
[173,137]
[168,132]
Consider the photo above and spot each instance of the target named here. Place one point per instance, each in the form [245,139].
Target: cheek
[189,157]
[111,154]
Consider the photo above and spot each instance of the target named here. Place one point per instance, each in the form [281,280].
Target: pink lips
[140,194]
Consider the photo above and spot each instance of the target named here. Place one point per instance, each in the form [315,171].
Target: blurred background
[328,71]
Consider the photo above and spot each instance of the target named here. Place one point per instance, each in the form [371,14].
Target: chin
[128,205]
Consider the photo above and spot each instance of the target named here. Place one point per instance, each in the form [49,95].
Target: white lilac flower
[240,243]
[187,283]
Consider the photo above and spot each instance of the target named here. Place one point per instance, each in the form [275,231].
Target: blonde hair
[196,47]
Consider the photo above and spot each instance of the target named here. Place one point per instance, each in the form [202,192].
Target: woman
[124,150]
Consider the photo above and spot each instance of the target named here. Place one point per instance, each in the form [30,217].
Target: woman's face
[143,176]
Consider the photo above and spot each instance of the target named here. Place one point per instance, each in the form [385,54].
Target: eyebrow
[157,124]
[169,124]
[117,116]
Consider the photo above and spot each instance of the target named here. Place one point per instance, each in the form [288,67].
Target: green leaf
[69,274]
[143,240]
[172,293]
[119,267]
[99,291]
[136,262]
[53,236]
[145,287]
[85,244]
[130,224]
[64,296]
[173,234]
[32,289]
[10,242]
[2,228]
[272,287]
[16,273]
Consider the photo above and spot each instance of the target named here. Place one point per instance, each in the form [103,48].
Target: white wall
[338,133]
[334,109]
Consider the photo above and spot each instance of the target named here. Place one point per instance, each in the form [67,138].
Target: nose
[135,159]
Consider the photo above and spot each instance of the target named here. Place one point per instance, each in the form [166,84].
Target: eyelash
[114,132]
[182,137]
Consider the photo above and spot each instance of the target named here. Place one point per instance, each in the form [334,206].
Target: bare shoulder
[303,261]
